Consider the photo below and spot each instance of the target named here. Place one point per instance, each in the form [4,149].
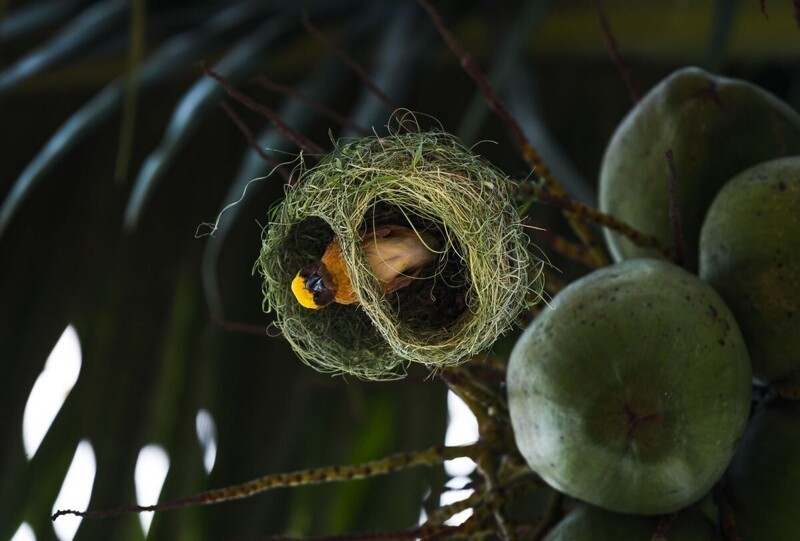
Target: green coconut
[588,523]
[630,392]
[484,277]
[763,482]
[750,253]
[715,127]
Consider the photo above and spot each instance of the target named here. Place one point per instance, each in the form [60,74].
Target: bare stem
[571,250]
[287,90]
[313,476]
[588,214]
[295,137]
[531,156]
[251,140]
[616,55]
[445,512]
[360,72]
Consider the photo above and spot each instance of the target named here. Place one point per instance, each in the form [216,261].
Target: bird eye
[314,283]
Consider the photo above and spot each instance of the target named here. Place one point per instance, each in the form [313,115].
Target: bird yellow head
[301,292]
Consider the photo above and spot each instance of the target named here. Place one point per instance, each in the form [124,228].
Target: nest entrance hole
[432,303]
[436,299]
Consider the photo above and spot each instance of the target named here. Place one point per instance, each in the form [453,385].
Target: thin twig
[251,140]
[588,214]
[313,476]
[482,514]
[471,68]
[295,137]
[447,511]
[487,465]
[501,497]
[537,165]
[763,5]
[634,91]
[360,72]
[287,90]
[431,505]
[421,532]
[513,467]
[571,250]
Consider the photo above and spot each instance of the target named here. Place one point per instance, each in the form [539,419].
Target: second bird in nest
[396,255]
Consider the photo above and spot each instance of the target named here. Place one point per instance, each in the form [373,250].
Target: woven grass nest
[483,277]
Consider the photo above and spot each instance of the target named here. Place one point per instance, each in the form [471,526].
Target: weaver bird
[396,255]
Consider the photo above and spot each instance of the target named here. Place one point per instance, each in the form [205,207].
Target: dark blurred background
[105,177]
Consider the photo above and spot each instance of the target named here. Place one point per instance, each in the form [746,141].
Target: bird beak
[303,295]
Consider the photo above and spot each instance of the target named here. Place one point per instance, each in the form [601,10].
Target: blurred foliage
[119,260]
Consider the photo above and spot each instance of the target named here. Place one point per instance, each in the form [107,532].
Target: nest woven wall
[484,276]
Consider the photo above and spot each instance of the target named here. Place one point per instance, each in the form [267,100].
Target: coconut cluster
[633,390]
[484,276]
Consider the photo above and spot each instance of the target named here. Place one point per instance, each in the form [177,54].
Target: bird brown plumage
[396,255]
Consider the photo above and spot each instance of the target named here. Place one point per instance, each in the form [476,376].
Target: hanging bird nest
[483,277]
